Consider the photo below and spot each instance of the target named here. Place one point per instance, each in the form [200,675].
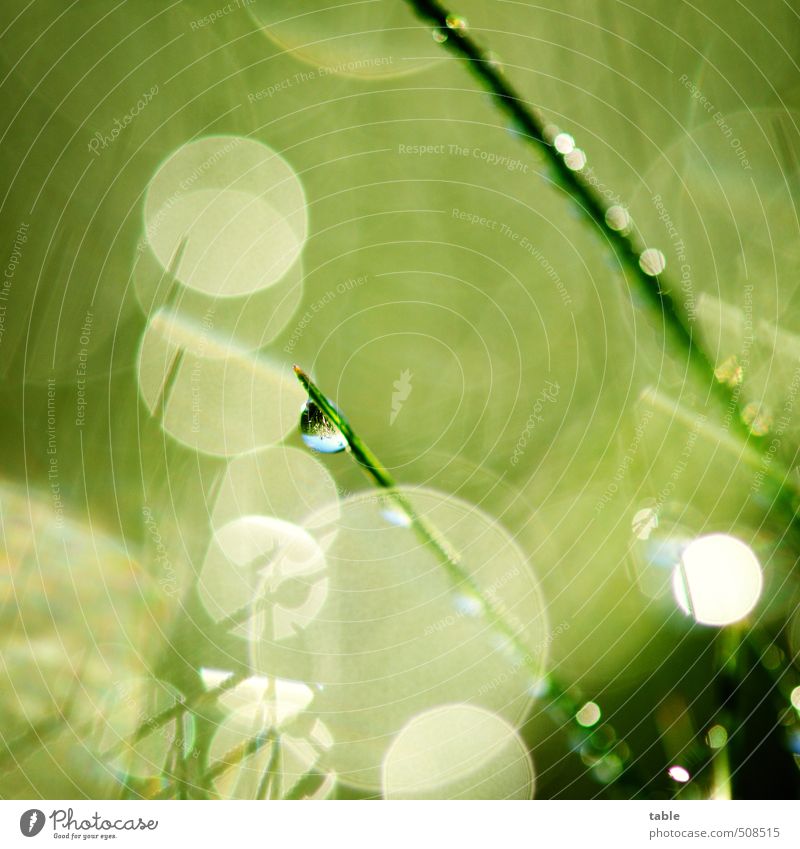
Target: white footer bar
[400,825]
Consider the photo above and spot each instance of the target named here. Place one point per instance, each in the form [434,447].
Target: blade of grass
[564,704]
[462,581]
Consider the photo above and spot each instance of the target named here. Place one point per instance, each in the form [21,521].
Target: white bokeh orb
[457,751]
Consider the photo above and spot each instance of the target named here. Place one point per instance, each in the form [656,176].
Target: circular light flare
[794,698]
[302,743]
[284,482]
[272,701]
[252,557]
[717,736]
[718,580]
[247,322]
[372,40]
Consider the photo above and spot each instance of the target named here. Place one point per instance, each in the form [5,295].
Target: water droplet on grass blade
[469,603]
[408,651]
[618,218]
[575,159]
[679,774]
[318,432]
[588,715]
[494,62]
[564,143]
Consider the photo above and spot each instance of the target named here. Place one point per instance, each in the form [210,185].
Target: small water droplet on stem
[456,22]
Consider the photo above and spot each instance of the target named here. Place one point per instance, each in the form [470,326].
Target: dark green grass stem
[532,126]
[564,704]
[425,530]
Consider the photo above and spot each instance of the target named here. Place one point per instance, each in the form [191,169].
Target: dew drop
[318,432]
[618,218]
[439,36]
[730,372]
[564,143]
[643,522]
[550,132]
[494,62]
[717,736]
[608,769]
[588,715]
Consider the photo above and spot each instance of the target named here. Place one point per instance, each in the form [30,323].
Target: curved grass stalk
[655,290]
[563,703]
[460,579]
